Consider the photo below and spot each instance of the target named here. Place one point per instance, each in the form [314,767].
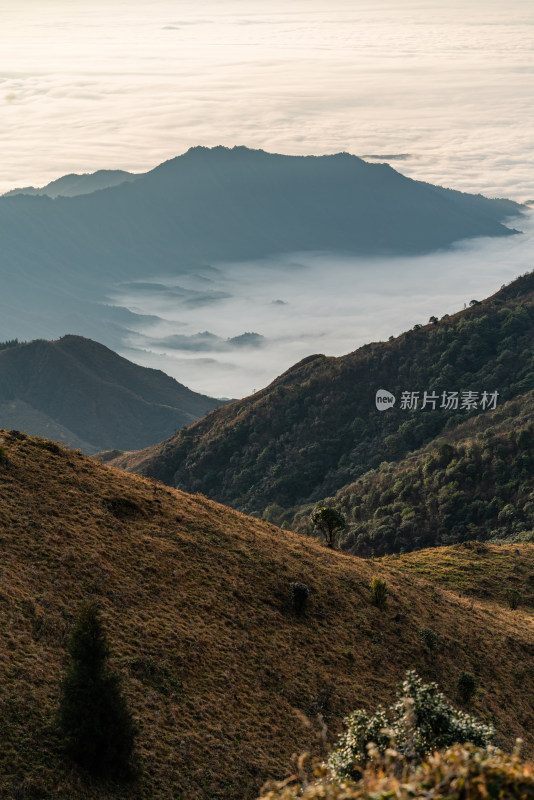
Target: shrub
[429,638]
[466,686]
[3,456]
[299,597]
[46,444]
[378,592]
[96,724]
[420,721]
[17,435]
[514,598]
[458,773]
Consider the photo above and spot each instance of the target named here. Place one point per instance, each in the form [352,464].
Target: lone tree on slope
[330,522]
[94,719]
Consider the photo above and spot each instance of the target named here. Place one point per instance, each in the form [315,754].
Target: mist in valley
[230,329]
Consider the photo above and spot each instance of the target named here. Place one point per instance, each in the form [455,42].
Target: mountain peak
[82,393]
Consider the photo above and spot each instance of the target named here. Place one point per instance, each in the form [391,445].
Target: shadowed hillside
[196,599]
[475,481]
[316,428]
[86,396]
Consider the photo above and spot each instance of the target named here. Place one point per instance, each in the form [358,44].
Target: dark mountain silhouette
[73,185]
[316,428]
[81,393]
[231,204]
[60,257]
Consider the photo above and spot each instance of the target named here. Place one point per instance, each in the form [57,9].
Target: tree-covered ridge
[481,489]
[316,428]
[82,394]
[10,343]
[475,481]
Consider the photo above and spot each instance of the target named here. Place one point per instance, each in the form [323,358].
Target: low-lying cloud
[306,303]
[450,83]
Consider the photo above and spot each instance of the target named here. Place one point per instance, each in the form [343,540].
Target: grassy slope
[483,571]
[195,598]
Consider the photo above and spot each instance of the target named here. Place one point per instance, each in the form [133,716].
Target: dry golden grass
[196,599]
[462,772]
[476,569]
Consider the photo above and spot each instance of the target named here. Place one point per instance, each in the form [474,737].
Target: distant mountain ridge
[73,185]
[61,258]
[84,395]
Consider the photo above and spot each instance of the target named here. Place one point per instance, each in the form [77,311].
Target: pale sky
[116,84]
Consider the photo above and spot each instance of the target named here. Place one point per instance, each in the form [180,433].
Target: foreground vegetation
[420,721]
[222,628]
[462,772]
[396,753]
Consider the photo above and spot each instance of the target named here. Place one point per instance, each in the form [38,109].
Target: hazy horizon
[443,90]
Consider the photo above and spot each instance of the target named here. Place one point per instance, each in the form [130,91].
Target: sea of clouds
[441,90]
[233,329]
[85,86]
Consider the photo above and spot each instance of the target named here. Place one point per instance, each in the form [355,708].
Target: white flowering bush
[420,721]
[462,772]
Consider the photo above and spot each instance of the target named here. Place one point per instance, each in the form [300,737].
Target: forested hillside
[474,482]
[316,428]
[86,396]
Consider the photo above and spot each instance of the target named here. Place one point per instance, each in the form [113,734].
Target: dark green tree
[93,717]
[330,522]
[299,597]
[467,686]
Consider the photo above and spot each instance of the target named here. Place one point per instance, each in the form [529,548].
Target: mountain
[475,481]
[220,204]
[74,185]
[316,428]
[84,395]
[216,667]
[62,257]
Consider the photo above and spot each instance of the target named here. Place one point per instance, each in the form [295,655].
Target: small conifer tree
[378,592]
[466,686]
[94,719]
